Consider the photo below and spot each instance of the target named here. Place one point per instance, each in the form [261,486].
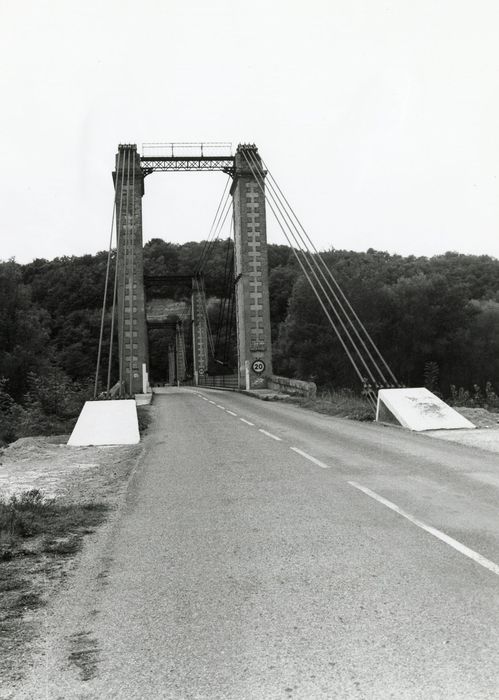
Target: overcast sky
[379,119]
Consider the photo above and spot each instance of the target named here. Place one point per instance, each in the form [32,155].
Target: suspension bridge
[267,551]
[194,352]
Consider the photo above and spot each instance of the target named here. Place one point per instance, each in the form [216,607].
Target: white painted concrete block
[418,409]
[106,423]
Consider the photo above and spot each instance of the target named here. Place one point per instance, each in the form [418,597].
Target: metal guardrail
[218,381]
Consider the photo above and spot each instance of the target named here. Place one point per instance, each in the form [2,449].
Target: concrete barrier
[293,387]
[418,409]
[106,423]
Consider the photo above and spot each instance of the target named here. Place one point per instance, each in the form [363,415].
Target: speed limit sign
[258,366]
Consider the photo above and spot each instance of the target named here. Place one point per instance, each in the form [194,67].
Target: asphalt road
[260,555]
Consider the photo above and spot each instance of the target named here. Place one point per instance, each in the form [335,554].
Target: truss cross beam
[150,165]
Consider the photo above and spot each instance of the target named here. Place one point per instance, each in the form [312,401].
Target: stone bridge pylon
[250,270]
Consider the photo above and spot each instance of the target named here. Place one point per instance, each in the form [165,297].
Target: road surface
[268,552]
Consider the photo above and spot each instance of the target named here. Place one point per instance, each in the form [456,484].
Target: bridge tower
[199,330]
[132,331]
[171,364]
[180,351]
[251,269]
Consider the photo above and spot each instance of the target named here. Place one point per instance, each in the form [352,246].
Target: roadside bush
[50,407]
[31,514]
[491,398]
[55,395]
[10,414]
[476,398]
[23,516]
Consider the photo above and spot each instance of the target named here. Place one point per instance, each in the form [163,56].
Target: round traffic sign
[258,366]
[201,371]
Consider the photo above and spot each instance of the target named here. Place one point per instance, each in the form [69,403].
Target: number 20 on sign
[258,366]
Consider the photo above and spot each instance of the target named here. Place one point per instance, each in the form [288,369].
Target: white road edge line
[475,556]
[274,437]
[246,421]
[310,458]
[231,413]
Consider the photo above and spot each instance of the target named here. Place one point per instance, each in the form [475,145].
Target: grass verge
[343,403]
[144,418]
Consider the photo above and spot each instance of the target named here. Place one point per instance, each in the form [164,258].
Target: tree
[483,345]
[281,282]
[425,319]
[24,331]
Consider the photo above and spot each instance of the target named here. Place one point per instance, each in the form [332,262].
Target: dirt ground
[486,433]
[48,464]
[480,417]
[29,576]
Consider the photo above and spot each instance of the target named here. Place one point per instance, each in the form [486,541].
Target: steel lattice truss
[224,164]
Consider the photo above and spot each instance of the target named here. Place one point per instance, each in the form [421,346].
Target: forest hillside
[436,321]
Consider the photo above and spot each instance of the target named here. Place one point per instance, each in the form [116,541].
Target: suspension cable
[348,319]
[119,185]
[222,219]
[101,334]
[307,276]
[204,305]
[208,322]
[221,214]
[223,300]
[230,313]
[257,174]
[213,224]
[330,274]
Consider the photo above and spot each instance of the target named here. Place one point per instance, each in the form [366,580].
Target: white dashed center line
[222,407]
[246,421]
[231,413]
[213,403]
[274,437]
[310,458]
[470,553]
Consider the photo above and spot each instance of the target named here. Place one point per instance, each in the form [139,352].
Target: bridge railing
[216,381]
[190,149]
[294,387]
